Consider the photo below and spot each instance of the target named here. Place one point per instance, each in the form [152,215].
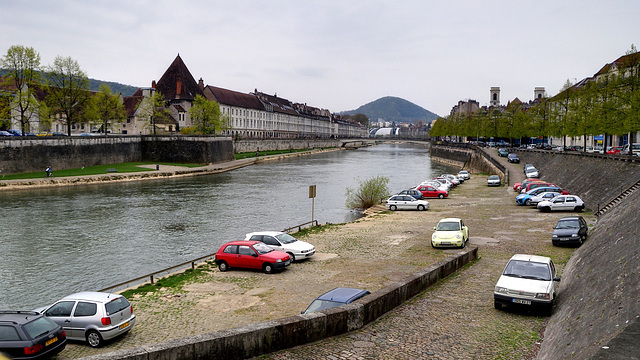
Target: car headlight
[458,236]
[546,296]
[279,260]
[502,290]
[574,235]
[434,236]
[554,236]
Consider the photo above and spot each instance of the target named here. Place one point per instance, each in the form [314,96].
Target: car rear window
[39,327]
[117,305]
[8,333]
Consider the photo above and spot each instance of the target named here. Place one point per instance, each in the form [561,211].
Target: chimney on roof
[153,84]
[178,88]
[201,84]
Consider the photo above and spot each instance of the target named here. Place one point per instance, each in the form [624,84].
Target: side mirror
[434,228]
[556,279]
[255,255]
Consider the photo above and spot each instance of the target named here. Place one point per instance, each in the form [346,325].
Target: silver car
[92,316]
[494,180]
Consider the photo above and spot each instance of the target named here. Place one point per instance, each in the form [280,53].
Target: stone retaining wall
[242,146]
[265,337]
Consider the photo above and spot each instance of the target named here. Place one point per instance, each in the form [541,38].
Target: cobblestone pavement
[452,320]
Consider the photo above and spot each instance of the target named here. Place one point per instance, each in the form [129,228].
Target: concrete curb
[265,337]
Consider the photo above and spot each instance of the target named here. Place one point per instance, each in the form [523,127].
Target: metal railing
[299,227]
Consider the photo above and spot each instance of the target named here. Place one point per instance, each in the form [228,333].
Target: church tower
[538,92]
[495,96]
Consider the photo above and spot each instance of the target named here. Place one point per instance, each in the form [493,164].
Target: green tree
[68,91]
[153,108]
[205,116]
[104,108]
[368,193]
[23,72]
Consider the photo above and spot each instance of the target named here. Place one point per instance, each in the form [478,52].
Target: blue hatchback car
[334,298]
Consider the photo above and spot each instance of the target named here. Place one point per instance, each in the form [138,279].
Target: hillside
[395,109]
[125,90]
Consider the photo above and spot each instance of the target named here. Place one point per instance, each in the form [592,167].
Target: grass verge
[94,170]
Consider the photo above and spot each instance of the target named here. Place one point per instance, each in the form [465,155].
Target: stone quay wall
[468,157]
[242,146]
[265,337]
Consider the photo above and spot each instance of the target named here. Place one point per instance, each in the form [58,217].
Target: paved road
[456,319]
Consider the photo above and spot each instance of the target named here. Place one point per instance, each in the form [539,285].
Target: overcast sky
[336,55]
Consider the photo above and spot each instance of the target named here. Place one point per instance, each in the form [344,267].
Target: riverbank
[454,319]
[162,172]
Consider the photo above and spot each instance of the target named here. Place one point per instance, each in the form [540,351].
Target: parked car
[14,132]
[518,186]
[94,317]
[5,133]
[450,232]
[631,149]
[513,158]
[454,179]
[539,184]
[503,152]
[534,196]
[251,255]
[614,150]
[529,281]
[464,174]
[29,335]
[411,192]
[494,180]
[444,181]
[526,166]
[532,173]
[334,298]
[562,202]
[570,230]
[444,186]
[56,133]
[406,202]
[284,242]
[429,191]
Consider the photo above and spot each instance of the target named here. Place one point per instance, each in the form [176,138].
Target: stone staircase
[613,203]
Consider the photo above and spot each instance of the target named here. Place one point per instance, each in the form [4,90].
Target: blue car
[334,298]
[528,197]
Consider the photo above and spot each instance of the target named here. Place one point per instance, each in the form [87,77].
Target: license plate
[51,341]
[445,243]
[520,301]
[124,325]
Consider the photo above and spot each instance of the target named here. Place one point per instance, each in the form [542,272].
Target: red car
[430,191]
[251,255]
[615,150]
[518,186]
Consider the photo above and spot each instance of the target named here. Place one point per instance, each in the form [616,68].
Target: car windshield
[528,270]
[39,327]
[448,226]
[494,177]
[318,305]
[286,238]
[262,248]
[529,170]
[568,224]
[116,305]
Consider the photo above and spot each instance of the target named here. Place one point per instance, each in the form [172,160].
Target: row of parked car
[94,317]
[437,187]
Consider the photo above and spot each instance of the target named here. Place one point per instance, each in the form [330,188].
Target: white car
[436,184]
[531,173]
[494,180]
[529,281]
[454,179]
[400,202]
[284,242]
[545,196]
[562,202]
[464,174]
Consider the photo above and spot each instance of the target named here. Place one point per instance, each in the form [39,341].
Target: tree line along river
[57,241]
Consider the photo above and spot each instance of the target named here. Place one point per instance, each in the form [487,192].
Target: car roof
[241,242]
[269,232]
[18,317]
[449,220]
[532,258]
[575,217]
[103,297]
[342,294]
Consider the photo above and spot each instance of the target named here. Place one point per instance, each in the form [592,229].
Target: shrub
[368,193]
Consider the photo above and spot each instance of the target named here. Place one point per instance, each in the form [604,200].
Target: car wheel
[393,207]
[579,208]
[441,196]
[545,209]
[581,240]
[94,339]
[527,202]
[267,268]
[291,256]
[223,266]
[464,243]
[420,207]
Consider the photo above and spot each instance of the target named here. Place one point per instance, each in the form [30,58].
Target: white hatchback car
[284,242]
[406,202]
[464,174]
[529,281]
[562,202]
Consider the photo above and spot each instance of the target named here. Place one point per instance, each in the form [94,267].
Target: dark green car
[503,152]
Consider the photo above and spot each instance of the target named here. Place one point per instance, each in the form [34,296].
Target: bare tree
[23,71]
[69,89]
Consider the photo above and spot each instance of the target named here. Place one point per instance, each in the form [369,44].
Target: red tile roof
[232,98]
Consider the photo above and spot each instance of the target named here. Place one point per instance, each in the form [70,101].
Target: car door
[272,242]
[248,258]
[84,315]
[465,230]
[60,313]
[230,255]
[570,203]
[557,203]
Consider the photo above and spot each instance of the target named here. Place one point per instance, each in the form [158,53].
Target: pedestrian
[48,170]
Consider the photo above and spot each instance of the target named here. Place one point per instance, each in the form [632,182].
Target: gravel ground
[452,320]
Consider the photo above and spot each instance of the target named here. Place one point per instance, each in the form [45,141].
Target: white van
[635,149]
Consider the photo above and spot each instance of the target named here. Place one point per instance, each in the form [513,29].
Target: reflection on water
[62,240]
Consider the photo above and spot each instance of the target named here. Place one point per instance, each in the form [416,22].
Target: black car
[29,335]
[570,230]
[513,158]
[415,193]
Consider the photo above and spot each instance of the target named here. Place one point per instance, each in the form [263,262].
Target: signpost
[312,196]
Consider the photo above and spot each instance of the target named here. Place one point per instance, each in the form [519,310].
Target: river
[57,241]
